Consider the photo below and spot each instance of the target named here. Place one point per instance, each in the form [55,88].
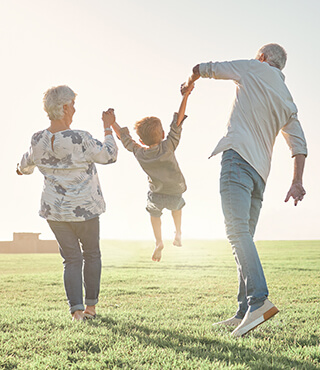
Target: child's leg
[156,225]
[177,222]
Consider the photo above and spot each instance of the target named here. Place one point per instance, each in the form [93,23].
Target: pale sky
[133,56]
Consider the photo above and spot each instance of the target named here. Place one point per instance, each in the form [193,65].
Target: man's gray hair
[274,54]
[55,98]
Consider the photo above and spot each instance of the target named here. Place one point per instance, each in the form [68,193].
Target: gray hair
[274,54]
[55,98]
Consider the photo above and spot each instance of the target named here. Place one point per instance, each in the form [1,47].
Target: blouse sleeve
[27,164]
[103,153]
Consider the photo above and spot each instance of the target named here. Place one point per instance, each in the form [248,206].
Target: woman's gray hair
[274,54]
[55,98]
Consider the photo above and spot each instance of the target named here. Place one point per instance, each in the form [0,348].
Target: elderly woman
[72,200]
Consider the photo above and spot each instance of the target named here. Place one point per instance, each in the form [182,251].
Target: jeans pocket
[237,172]
[244,175]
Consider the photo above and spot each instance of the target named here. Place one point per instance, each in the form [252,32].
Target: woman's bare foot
[177,240]
[90,312]
[156,256]
[78,316]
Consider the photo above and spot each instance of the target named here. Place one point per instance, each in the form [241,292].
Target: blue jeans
[80,250]
[241,190]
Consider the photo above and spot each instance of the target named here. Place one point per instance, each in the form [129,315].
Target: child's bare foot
[177,240]
[156,256]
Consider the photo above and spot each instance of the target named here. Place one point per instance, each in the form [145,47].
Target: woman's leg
[72,261]
[88,233]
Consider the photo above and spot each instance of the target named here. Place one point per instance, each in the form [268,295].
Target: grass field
[159,315]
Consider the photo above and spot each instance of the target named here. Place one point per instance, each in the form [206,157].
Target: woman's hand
[18,172]
[108,118]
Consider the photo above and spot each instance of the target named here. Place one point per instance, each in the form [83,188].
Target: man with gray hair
[263,107]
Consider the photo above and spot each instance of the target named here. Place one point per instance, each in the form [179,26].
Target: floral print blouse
[67,160]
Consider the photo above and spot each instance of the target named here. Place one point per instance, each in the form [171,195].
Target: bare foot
[78,316]
[90,312]
[177,240]
[156,256]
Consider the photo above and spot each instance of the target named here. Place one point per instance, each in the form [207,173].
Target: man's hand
[195,75]
[297,192]
[108,118]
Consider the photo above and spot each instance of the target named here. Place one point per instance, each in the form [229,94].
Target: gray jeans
[80,250]
[241,189]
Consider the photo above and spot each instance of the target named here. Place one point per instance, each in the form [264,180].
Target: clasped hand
[108,117]
[186,88]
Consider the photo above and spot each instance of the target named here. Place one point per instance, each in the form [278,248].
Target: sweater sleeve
[127,140]
[174,135]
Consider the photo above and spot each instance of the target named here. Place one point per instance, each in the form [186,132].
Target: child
[157,159]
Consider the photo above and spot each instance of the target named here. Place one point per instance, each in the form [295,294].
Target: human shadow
[204,348]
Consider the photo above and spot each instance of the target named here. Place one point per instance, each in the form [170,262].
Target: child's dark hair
[150,130]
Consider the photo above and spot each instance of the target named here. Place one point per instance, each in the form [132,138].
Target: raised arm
[296,190]
[191,80]
[182,109]
[195,75]
[116,129]
[102,152]
[125,137]
[108,119]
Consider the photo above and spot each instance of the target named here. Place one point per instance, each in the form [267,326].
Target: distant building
[28,243]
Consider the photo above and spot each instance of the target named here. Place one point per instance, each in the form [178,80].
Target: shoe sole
[260,320]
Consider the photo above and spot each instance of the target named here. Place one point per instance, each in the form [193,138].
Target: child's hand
[186,88]
[108,118]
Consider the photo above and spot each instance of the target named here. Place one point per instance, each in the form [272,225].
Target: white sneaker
[233,321]
[255,318]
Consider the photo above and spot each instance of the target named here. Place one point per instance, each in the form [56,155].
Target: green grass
[160,315]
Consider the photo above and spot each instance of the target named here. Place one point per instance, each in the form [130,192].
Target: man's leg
[236,186]
[156,226]
[239,185]
[242,294]
[256,202]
